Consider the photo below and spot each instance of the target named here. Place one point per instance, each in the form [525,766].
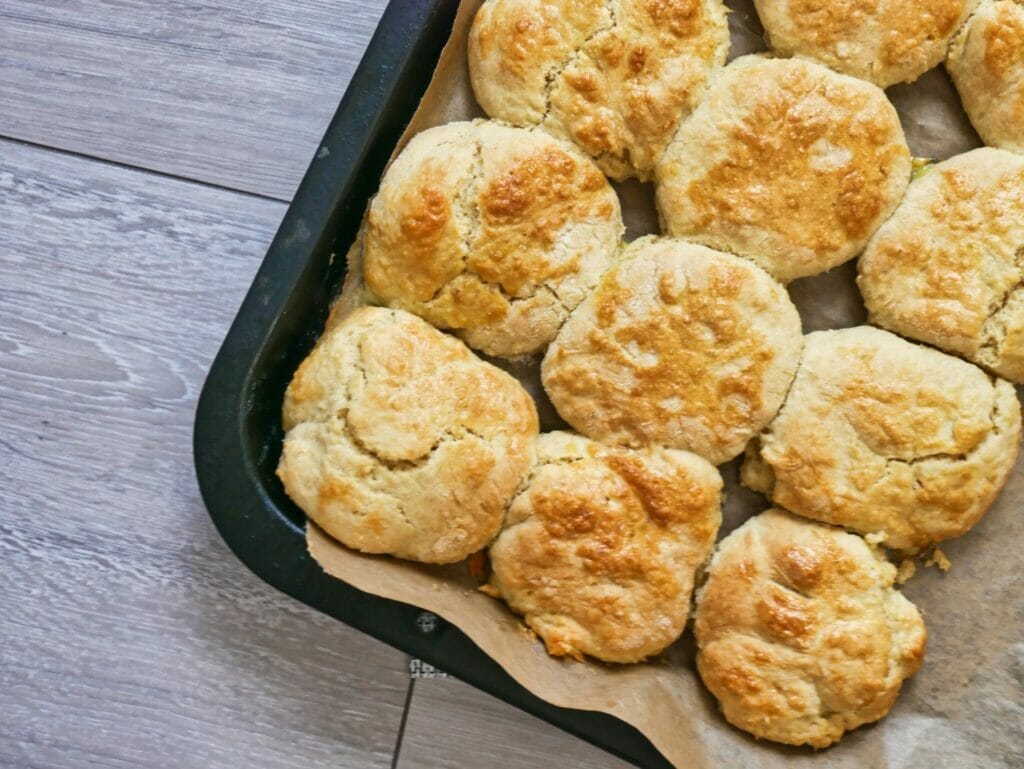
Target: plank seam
[401,724]
[142,169]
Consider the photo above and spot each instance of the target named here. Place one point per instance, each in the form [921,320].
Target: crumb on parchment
[938,558]
[875,538]
[907,569]
[478,565]
[920,166]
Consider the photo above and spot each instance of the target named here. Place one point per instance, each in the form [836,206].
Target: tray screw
[427,622]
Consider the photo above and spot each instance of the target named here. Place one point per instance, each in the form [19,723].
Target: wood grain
[451,725]
[231,92]
[129,635]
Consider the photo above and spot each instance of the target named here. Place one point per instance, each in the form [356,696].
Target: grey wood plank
[230,92]
[129,634]
[451,725]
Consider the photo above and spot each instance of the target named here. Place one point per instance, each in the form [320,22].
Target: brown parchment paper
[966,706]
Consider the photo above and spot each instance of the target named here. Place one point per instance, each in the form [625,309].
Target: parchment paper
[966,706]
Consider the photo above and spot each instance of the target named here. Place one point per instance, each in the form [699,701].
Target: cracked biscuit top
[787,163]
[601,545]
[493,232]
[678,345]
[615,76]
[399,440]
[948,267]
[986,62]
[884,41]
[800,633]
[887,438]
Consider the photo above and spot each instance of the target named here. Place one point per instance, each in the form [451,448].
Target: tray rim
[267,541]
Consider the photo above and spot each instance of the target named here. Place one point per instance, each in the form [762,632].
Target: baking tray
[237,437]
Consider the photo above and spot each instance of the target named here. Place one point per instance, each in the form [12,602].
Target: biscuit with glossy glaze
[493,232]
[884,41]
[948,267]
[800,633]
[787,163]
[887,438]
[601,544]
[616,77]
[678,345]
[399,440]
[986,62]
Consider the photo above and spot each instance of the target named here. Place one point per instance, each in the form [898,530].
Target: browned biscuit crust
[496,233]
[884,41]
[679,345]
[787,163]
[600,546]
[616,77]
[399,440]
[801,635]
[948,267]
[888,438]
[986,62]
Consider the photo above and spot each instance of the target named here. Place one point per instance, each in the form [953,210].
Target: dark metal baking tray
[237,434]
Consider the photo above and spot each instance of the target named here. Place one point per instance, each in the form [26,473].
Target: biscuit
[887,438]
[600,546]
[616,77]
[787,163]
[678,345]
[800,633]
[986,62]
[399,440]
[884,41]
[493,232]
[948,267]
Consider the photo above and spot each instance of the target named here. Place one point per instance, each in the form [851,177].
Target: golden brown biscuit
[801,635]
[884,41]
[948,267]
[399,440]
[679,345]
[616,77]
[887,438]
[986,62]
[600,546]
[493,232]
[787,163]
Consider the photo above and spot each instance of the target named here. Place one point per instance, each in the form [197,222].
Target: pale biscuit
[787,163]
[600,547]
[801,635]
[887,438]
[948,267]
[679,345]
[616,77]
[986,62]
[884,41]
[399,440]
[493,232]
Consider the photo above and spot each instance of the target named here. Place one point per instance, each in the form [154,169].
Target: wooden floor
[148,150]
